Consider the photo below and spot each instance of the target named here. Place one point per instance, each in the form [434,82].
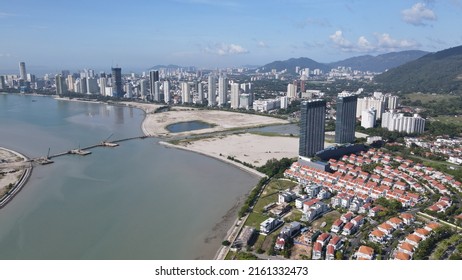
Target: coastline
[222,228]
[21,181]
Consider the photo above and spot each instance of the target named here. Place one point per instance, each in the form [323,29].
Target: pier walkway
[83,151]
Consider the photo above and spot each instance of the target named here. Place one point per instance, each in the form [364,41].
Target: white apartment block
[398,122]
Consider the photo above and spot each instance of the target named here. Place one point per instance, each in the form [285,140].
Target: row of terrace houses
[409,244]
[347,224]
[441,205]
[326,244]
[383,232]
[337,182]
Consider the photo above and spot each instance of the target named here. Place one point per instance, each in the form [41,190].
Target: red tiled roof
[414,238]
[366,250]
[406,216]
[402,256]
[377,233]
[317,247]
[422,231]
[406,246]
[433,225]
[395,220]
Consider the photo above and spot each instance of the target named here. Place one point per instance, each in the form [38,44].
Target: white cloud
[364,44]
[226,49]
[340,41]
[262,44]
[418,14]
[381,42]
[386,42]
[5,55]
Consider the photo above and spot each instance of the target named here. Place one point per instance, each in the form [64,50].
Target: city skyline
[209,34]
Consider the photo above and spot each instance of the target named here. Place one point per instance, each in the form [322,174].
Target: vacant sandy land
[146,107]
[249,148]
[155,124]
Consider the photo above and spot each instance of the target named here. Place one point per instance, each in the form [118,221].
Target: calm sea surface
[136,201]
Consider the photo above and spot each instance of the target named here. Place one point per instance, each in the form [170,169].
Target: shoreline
[223,159]
[222,229]
[21,181]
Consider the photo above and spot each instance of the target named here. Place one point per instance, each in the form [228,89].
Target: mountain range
[439,72]
[378,63]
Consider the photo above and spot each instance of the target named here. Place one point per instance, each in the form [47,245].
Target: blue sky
[137,34]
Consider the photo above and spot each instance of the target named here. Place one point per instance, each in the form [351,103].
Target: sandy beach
[249,148]
[155,124]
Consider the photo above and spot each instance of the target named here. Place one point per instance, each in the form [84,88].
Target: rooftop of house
[366,250]
[406,246]
[402,256]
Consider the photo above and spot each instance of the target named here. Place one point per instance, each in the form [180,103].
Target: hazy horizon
[136,35]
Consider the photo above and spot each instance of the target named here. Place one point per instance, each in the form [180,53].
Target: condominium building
[312,128]
[398,122]
[345,122]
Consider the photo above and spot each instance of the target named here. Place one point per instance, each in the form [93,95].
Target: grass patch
[328,218]
[428,98]
[255,219]
[230,256]
[450,120]
[271,134]
[259,243]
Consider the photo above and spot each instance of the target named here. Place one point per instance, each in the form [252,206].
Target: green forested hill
[439,72]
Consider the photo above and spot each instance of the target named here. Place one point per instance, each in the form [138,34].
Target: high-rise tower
[117,90]
[345,122]
[312,128]
[222,91]
[22,71]
[211,96]
[235,96]
[153,78]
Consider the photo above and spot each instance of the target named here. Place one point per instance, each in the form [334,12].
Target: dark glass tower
[312,123]
[346,119]
[153,78]
[117,90]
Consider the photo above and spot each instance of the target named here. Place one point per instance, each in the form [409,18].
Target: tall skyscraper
[102,86]
[166,92]
[143,88]
[368,118]
[117,90]
[83,85]
[156,96]
[200,93]
[22,71]
[92,86]
[291,91]
[312,122]
[392,102]
[211,95]
[346,119]
[70,83]
[222,91]
[2,82]
[61,87]
[370,102]
[235,98]
[153,78]
[185,93]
